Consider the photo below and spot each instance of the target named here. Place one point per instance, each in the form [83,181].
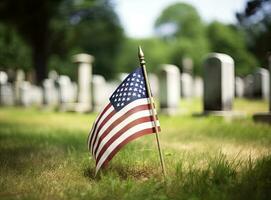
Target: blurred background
[39,36]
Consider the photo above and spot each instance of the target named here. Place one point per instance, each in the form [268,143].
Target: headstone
[248,86]
[99,96]
[65,90]
[218,82]
[239,87]
[36,95]
[53,75]
[169,81]
[84,62]
[261,84]
[122,76]
[154,84]
[25,94]
[198,87]
[50,93]
[187,65]
[19,78]
[7,95]
[3,78]
[265,117]
[186,85]
[6,90]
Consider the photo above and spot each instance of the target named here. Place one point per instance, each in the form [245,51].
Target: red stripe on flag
[101,125]
[119,133]
[97,121]
[119,120]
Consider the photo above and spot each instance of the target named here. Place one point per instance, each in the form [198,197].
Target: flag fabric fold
[127,116]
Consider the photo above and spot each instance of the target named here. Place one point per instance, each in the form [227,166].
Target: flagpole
[143,65]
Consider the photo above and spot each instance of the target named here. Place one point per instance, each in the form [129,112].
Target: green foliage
[155,50]
[189,38]
[55,30]
[230,40]
[255,20]
[14,52]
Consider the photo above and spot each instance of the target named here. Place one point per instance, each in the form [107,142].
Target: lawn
[43,155]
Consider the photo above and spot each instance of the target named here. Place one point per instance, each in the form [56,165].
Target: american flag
[127,116]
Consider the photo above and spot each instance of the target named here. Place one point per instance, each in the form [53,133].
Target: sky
[138,16]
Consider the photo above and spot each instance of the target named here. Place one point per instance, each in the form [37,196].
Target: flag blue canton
[132,88]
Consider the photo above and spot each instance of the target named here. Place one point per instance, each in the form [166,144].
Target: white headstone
[50,92]
[186,85]
[84,62]
[6,94]
[169,81]
[99,97]
[261,84]
[122,76]
[239,87]
[218,82]
[154,84]
[3,77]
[53,75]
[25,93]
[36,95]
[65,89]
[19,78]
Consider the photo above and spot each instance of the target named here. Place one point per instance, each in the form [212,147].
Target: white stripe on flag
[120,113]
[128,133]
[99,123]
[134,116]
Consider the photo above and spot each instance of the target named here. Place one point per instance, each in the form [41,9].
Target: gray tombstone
[187,65]
[84,62]
[218,82]
[99,96]
[265,117]
[261,84]
[186,85]
[198,87]
[169,82]
[239,87]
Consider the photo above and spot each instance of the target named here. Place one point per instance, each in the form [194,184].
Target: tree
[181,27]
[14,52]
[54,29]
[255,20]
[32,20]
[230,40]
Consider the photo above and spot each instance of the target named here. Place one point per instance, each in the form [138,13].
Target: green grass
[43,155]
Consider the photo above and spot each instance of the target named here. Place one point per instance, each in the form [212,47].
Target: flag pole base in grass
[262,117]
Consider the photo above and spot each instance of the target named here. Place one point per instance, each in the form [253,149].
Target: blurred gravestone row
[218,87]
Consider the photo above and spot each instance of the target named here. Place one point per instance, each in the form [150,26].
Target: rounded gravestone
[218,82]
[169,95]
